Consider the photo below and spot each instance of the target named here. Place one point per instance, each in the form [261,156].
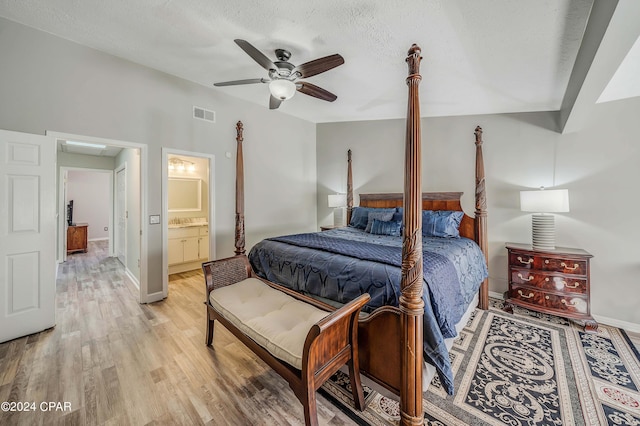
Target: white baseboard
[98,239]
[132,278]
[155,297]
[496,295]
[625,325]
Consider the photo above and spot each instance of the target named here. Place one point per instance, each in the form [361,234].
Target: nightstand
[77,237]
[328,227]
[550,281]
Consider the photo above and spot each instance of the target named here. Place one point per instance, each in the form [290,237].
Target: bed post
[411,304]
[349,188]
[481,218]
[239,192]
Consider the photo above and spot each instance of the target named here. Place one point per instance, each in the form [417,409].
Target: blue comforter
[343,263]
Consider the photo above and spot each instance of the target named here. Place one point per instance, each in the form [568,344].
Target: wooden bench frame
[330,343]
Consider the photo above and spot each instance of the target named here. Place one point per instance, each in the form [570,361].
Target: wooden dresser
[77,238]
[550,281]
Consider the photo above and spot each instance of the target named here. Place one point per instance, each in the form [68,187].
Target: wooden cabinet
[187,244]
[550,281]
[77,238]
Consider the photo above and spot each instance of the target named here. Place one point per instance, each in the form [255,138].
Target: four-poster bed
[390,337]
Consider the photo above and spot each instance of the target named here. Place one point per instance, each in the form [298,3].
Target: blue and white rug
[523,369]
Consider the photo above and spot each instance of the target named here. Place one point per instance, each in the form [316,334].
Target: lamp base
[338,216]
[543,232]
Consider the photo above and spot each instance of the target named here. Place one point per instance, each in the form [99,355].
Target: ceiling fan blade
[274,102]
[247,81]
[316,92]
[257,55]
[318,66]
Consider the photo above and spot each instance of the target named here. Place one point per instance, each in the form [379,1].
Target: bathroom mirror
[184,194]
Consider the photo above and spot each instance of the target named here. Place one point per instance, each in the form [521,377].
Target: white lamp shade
[337,200]
[282,89]
[545,201]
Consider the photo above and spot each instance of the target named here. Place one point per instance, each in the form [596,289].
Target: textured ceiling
[480,56]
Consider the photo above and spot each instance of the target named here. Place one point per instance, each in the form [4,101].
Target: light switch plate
[154,219]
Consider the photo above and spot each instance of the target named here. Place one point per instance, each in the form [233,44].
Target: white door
[121,214]
[27,234]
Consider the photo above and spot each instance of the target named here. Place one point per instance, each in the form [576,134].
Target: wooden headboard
[430,201]
[474,228]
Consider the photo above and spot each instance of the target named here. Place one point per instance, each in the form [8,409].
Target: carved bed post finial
[411,303]
[239,239]
[481,217]
[349,188]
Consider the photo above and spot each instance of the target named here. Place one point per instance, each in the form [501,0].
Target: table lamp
[543,202]
[337,202]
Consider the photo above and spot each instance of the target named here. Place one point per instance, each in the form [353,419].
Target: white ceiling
[480,56]
[96,150]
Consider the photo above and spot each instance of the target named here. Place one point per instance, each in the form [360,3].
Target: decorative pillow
[385,216]
[391,227]
[398,215]
[441,223]
[360,216]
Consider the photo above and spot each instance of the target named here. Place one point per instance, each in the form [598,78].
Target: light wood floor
[118,362]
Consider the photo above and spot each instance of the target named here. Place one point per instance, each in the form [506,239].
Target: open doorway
[188,206]
[87,152]
[85,203]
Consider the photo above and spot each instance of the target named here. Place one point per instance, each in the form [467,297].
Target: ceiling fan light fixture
[282,89]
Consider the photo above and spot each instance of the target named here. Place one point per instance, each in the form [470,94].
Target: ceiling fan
[283,75]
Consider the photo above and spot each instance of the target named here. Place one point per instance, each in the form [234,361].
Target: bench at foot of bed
[303,340]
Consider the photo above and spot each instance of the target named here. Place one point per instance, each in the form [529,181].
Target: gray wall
[599,165]
[66,159]
[90,192]
[47,83]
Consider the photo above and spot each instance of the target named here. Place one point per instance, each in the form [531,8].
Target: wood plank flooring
[121,363]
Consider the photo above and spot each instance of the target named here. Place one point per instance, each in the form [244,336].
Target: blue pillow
[360,216]
[385,216]
[441,223]
[398,215]
[391,227]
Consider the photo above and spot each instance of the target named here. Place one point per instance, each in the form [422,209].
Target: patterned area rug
[522,369]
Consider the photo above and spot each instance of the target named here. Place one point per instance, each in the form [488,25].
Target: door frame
[62,213]
[116,209]
[165,207]
[144,190]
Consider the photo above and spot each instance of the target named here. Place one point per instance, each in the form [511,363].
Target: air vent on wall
[204,114]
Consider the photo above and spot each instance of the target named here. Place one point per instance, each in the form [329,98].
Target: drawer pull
[575,285]
[525,279]
[546,297]
[523,262]
[565,266]
[525,297]
[573,303]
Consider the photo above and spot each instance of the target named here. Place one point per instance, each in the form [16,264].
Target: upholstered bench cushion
[274,320]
